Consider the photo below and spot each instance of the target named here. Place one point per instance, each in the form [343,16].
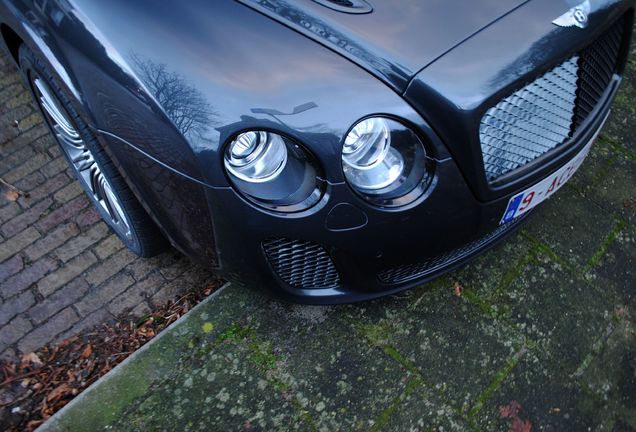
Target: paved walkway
[61,270]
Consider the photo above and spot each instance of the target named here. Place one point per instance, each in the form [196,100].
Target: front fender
[177,80]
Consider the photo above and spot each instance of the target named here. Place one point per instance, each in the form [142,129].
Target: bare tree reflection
[308,23]
[184,104]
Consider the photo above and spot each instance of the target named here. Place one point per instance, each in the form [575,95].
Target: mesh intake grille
[545,113]
[301,264]
[408,272]
[596,68]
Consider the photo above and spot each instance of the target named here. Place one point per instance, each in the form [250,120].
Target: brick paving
[61,269]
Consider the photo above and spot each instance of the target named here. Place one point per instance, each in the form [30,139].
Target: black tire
[142,236]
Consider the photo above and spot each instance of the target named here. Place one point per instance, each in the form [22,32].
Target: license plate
[530,198]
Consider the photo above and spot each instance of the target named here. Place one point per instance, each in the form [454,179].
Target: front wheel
[97,174]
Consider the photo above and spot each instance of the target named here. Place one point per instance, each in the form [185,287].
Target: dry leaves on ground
[41,383]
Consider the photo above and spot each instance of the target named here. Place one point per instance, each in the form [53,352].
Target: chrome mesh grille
[408,272]
[530,122]
[301,264]
[546,113]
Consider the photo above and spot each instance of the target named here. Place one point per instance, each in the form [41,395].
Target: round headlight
[256,157]
[385,161]
[273,171]
[370,163]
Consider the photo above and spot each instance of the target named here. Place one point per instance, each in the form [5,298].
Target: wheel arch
[11,39]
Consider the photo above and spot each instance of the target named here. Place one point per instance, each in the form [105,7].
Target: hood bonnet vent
[347,6]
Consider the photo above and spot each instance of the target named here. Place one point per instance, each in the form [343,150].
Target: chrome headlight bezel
[409,157]
[294,185]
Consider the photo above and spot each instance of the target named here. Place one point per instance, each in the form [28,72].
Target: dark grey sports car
[331,150]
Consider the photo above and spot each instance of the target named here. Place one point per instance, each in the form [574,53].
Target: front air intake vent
[301,264]
[408,272]
[347,6]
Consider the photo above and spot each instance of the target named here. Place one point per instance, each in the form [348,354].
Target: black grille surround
[301,264]
[409,272]
[597,65]
[547,112]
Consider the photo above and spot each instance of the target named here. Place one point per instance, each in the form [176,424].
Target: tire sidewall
[31,68]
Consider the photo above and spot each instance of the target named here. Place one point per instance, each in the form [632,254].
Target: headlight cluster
[383,161]
[273,171]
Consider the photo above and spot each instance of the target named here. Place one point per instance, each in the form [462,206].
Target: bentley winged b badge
[577,16]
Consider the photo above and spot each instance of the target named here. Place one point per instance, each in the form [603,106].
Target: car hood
[395,40]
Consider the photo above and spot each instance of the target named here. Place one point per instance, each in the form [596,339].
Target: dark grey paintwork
[395,41]
[311,73]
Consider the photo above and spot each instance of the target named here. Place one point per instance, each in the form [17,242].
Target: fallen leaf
[457,289]
[12,195]
[67,342]
[519,425]
[34,424]
[511,410]
[59,392]
[87,351]
[31,358]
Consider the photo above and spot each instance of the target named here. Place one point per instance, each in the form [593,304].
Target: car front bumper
[375,252]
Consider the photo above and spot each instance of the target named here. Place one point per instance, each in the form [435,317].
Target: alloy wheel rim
[82,160]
